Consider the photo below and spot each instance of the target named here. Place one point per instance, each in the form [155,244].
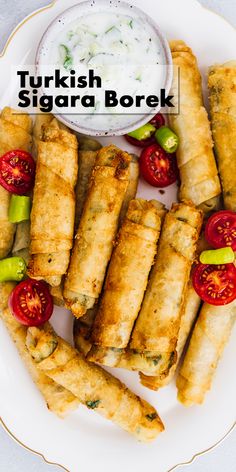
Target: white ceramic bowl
[80,10]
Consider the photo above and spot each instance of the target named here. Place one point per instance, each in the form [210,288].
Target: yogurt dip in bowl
[116,60]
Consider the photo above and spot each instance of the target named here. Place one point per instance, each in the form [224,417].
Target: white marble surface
[13,458]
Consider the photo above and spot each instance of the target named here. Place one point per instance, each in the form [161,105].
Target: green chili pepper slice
[144,132]
[225,255]
[12,268]
[19,208]
[167,139]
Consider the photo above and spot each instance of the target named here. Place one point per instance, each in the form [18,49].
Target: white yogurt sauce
[124,51]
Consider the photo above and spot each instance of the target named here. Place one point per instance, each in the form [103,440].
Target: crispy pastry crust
[52,215]
[196,162]
[97,229]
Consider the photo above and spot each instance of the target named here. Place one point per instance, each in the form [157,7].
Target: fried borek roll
[158,324]
[83,326]
[127,277]
[15,133]
[210,336]
[94,387]
[59,400]
[190,311]
[97,229]
[198,172]
[22,237]
[222,91]
[53,210]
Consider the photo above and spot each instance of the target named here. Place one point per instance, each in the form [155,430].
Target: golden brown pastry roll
[15,132]
[94,387]
[97,229]
[83,326]
[209,338]
[127,276]
[198,172]
[58,399]
[53,210]
[222,95]
[189,314]
[158,324]
[22,236]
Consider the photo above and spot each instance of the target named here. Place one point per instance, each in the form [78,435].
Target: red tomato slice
[157,121]
[220,229]
[31,302]
[17,171]
[158,167]
[215,284]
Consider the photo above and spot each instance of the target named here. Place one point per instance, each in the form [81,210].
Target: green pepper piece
[224,255]
[144,132]
[19,209]
[167,139]
[12,268]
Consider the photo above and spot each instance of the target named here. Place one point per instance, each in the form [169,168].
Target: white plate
[84,440]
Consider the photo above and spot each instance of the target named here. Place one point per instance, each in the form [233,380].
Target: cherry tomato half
[158,167]
[158,120]
[17,171]
[31,302]
[215,284]
[220,229]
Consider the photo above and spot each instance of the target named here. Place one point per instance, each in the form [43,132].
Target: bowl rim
[167,55]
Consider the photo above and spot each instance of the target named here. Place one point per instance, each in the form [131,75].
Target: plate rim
[2,423]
